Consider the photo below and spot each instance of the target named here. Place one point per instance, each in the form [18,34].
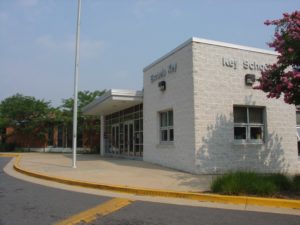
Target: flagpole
[76,85]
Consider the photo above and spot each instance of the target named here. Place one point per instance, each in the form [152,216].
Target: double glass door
[122,141]
[128,138]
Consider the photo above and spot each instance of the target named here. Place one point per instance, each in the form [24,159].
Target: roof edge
[209,42]
[190,40]
[109,93]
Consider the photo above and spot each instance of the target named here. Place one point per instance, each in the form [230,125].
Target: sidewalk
[114,171]
[131,177]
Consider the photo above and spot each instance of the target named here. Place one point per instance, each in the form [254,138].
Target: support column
[102,129]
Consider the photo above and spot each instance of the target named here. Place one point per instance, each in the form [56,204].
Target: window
[248,124]
[166,126]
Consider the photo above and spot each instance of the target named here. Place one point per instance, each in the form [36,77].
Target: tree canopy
[19,110]
[26,115]
[32,117]
[283,77]
[84,98]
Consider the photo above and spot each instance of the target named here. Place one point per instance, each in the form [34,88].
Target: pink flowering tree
[283,77]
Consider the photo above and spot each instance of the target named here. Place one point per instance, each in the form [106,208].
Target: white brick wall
[179,97]
[216,90]
[202,93]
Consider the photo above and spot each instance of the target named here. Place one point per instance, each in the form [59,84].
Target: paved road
[145,213]
[26,203]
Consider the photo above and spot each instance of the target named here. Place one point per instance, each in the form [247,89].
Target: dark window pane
[256,133]
[298,133]
[113,135]
[171,134]
[240,133]
[137,149]
[141,137]
[298,118]
[136,115]
[255,115]
[117,136]
[121,138]
[170,118]
[141,124]
[137,138]
[240,114]
[164,135]
[163,119]
[136,125]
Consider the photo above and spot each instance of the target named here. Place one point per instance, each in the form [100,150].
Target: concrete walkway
[127,176]
[115,171]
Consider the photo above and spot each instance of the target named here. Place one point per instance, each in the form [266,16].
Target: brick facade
[202,93]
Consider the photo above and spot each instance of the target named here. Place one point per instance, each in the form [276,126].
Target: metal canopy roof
[113,101]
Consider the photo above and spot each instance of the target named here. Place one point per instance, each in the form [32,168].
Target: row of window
[248,124]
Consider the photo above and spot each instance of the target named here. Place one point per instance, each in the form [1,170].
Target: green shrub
[22,150]
[7,147]
[244,183]
[282,182]
[296,184]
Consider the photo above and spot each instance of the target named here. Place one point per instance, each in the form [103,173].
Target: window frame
[248,125]
[166,126]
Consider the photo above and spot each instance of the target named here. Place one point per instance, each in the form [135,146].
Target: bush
[22,149]
[7,147]
[296,184]
[248,183]
[281,181]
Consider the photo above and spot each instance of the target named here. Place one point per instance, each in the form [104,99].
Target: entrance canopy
[112,101]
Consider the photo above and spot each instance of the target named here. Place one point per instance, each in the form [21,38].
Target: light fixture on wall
[162,85]
[249,79]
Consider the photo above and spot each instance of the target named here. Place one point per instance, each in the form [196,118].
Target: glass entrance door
[115,139]
[128,138]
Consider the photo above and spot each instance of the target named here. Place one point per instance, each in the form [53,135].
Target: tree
[283,77]
[84,98]
[89,124]
[26,115]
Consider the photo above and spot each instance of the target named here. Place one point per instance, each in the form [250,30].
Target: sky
[118,39]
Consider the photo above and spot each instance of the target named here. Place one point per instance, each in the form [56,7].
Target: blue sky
[118,39]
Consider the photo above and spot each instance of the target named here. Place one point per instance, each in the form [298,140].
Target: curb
[271,202]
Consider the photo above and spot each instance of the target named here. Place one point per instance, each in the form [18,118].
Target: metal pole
[76,85]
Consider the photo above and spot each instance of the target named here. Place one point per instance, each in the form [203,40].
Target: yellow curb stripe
[9,155]
[96,212]
[282,203]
